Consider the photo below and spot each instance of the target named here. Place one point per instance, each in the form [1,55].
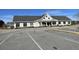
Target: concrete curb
[67,31]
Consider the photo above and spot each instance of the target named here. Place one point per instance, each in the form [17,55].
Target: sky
[7,14]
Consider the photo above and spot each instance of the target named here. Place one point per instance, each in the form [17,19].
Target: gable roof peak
[45,14]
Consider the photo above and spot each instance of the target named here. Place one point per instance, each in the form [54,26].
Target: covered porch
[48,23]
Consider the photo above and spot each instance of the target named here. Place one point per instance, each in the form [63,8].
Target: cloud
[73,18]
[6,18]
[60,12]
[55,12]
[68,13]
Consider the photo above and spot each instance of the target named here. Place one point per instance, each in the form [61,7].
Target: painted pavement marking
[6,38]
[34,41]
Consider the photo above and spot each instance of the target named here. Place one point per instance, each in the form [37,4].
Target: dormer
[46,17]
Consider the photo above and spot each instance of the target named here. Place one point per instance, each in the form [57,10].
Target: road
[38,39]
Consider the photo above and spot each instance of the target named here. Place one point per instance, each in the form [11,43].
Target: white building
[40,21]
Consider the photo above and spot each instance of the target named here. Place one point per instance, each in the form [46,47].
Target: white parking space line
[6,38]
[34,41]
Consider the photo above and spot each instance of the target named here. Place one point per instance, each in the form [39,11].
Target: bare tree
[2,24]
[77,16]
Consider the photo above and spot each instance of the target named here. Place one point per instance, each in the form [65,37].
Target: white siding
[67,23]
[21,24]
[28,24]
[36,24]
[14,25]
[46,17]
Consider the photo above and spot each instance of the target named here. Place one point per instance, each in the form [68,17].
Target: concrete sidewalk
[68,31]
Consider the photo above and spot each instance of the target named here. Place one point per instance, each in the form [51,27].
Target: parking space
[50,40]
[38,39]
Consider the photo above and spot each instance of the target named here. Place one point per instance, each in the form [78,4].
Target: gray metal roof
[26,18]
[61,18]
[33,18]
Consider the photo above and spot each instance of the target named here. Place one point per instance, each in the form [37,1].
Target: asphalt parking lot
[38,39]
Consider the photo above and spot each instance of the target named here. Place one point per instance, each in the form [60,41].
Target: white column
[66,23]
[62,23]
[56,22]
[41,23]
[51,24]
[14,25]
[46,23]
[21,24]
